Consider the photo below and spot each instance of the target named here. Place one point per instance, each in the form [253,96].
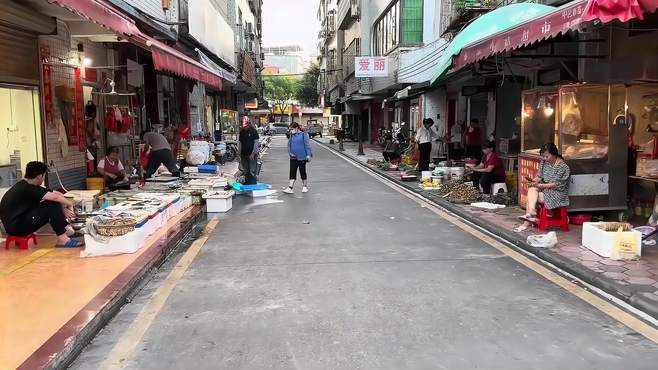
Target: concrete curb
[633,295]
[62,358]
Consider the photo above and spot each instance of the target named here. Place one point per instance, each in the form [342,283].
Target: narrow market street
[355,275]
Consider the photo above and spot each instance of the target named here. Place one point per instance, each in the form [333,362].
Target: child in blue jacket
[299,149]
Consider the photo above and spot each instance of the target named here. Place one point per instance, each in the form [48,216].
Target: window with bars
[401,23]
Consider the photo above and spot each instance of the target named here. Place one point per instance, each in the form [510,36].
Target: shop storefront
[22,140]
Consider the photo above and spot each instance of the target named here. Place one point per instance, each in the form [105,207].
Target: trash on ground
[543,240]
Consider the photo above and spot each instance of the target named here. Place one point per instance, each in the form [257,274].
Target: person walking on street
[424,138]
[249,147]
[159,152]
[299,149]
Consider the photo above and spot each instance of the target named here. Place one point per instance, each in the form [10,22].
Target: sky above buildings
[291,22]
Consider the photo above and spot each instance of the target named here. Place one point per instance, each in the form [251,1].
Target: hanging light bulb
[548,110]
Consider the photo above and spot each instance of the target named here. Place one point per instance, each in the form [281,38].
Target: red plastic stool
[22,241]
[557,219]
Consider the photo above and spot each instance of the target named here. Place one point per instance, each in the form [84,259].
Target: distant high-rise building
[287,59]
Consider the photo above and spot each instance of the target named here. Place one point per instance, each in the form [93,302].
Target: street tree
[307,92]
[280,91]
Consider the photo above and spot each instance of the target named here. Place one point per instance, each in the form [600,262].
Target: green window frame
[412,22]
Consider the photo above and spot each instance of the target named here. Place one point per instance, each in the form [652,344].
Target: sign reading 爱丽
[371,66]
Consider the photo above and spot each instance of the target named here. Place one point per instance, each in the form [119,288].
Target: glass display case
[587,122]
[538,119]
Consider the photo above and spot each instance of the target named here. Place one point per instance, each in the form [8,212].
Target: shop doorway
[20,123]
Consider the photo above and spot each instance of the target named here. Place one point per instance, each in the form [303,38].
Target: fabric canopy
[100,13]
[623,10]
[495,21]
[165,57]
[552,23]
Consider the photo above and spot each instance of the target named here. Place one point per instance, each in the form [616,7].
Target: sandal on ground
[531,219]
[71,244]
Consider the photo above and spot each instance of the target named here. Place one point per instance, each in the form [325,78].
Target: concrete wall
[154,9]
[435,104]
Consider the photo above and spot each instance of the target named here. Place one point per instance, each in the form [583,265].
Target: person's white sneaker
[288,190]
[304,189]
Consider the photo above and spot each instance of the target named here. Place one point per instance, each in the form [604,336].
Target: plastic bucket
[95,183]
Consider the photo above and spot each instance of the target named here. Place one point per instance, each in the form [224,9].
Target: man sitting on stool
[28,206]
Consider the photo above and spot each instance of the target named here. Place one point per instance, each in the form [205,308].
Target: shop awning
[623,10]
[553,22]
[165,58]
[101,13]
[494,22]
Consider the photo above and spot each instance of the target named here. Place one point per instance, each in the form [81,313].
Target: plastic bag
[543,240]
[625,246]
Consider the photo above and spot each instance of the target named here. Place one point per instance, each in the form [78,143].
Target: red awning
[165,58]
[623,10]
[560,21]
[101,13]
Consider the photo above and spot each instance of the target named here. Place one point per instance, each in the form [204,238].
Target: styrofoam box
[216,204]
[600,242]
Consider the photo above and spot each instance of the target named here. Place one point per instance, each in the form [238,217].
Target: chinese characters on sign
[371,66]
[535,30]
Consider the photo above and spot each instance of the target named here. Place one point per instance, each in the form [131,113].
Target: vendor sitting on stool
[391,149]
[111,168]
[491,170]
[549,187]
[27,207]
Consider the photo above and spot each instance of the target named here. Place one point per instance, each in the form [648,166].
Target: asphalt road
[354,275]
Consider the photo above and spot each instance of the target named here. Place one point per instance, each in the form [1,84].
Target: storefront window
[538,119]
[584,119]
[643,115]
[20,128]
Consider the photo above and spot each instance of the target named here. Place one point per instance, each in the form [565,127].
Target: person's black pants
[425,154]
[486,179]
[158,157]
[249,168]
[297,164]
[390,156]
[46,213]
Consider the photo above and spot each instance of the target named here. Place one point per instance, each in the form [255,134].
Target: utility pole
[360,152]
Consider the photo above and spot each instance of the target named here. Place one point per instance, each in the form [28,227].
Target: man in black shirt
[28,206]
[249,152]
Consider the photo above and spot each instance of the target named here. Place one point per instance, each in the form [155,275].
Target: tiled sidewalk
[633,281]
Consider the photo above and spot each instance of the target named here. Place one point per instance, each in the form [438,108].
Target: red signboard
[47,77]
[78,112]
[550,25]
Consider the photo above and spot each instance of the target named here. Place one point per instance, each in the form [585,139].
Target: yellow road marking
[129,341]
[597,302]
[22,262]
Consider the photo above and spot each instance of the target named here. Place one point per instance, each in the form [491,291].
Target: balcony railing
[456,13]
[347,9]
[351,51]
[334,79]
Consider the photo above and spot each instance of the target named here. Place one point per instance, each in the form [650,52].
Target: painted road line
[133,336]
[594,300]
[22,262]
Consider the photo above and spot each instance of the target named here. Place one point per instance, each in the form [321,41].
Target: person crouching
[27,206]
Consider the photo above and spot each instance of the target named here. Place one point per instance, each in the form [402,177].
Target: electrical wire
[54,168]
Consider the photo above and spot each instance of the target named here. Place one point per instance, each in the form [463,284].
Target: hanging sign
[371,66]
[47,78]
[78,127]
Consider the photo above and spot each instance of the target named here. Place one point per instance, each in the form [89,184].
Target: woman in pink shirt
[491,170]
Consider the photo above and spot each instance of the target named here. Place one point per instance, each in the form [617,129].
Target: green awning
[495,21]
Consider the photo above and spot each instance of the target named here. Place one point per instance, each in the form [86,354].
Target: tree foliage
[307,91]
[280,90]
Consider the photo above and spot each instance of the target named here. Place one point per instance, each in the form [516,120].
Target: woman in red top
[490,170]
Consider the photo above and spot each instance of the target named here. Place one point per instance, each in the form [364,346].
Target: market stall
[588,124]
